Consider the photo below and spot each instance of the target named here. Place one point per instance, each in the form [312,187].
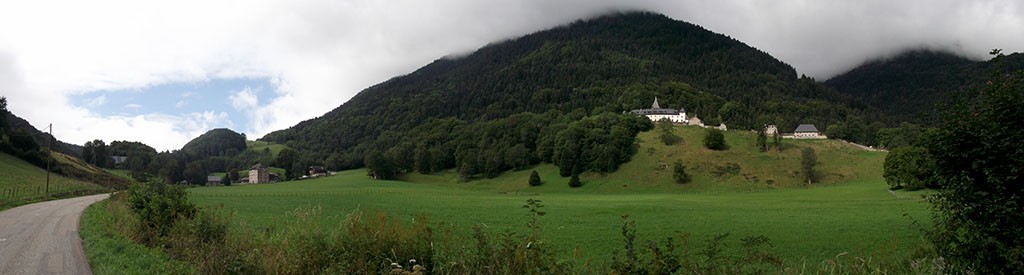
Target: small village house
[259,173]
[807,131]
[317,171]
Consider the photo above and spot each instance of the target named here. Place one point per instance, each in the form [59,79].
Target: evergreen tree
[807,162]
[574,181]
[534,178]
[762,140]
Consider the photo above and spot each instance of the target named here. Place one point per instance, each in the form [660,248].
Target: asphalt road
[42,238]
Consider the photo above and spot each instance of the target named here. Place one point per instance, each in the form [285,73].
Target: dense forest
[909,86]
[588,70]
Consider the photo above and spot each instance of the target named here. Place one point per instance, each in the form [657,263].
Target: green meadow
[850,213]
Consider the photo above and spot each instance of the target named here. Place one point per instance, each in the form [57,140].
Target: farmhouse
[259,174]
[317,171]
[656,113]
[771,130]
[213,180]
[806,131]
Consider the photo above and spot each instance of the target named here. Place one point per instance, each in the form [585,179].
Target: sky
[164,72]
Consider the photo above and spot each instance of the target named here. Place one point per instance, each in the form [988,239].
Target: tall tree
[979,160]
[808,160]
[762,140]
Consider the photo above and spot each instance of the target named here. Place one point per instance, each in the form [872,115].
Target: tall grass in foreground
[374,243]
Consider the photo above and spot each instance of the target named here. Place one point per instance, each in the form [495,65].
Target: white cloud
[319,53]
[97,101]
[132,106]
[244,100]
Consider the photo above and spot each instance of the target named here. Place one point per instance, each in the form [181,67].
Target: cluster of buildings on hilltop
[656,113]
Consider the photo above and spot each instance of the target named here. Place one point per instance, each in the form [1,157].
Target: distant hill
[20,124]
[909,86]
[610,64]
[216,142]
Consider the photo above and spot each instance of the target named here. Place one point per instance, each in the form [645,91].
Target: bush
[679,172]
[535,178]
[574,181]
[158,207]
[714,139]
[909,167]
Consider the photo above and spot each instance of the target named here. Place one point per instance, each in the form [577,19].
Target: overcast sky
[167,72]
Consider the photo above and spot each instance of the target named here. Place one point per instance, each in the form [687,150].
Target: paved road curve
[42,238]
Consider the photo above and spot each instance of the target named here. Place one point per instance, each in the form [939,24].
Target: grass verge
[110,252]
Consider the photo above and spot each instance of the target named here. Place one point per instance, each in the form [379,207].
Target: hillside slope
[21,183]
[613,63]
[740,168]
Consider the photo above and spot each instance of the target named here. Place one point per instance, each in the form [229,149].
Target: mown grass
[23,183]
[110,252]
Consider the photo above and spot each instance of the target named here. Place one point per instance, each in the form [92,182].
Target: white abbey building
[656,113]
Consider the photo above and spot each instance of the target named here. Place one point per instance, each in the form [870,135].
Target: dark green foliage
[665,133]
[609,64]
[195,173]
[910,85]
[158,206]
[679,172]
[714,139]
[762,140]
[778,142]
[379,167]
[909,167]
[808,160]
[574,181]
[216,142]
[979,160]
[535,178]
[907,134]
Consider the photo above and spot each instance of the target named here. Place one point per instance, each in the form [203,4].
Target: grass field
[852,212]
[258,146]
[22,183]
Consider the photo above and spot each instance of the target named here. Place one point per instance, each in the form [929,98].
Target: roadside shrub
[158,207]
[574,181]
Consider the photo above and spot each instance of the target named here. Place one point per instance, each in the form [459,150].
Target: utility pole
[49,156]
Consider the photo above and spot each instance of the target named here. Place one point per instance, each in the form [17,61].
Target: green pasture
[22,182]
[258,146]
[806,225]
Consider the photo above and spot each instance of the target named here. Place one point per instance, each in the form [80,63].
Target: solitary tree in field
[808,160]
[574,181]
[714,139]
[534,178]
[778,142]
[679,172]
[762,140]
[665,132]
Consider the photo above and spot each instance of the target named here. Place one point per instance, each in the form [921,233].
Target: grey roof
[659,111]
[804,128]
[213,178]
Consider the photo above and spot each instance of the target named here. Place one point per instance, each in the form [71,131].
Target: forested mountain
[609,64]
[909,86]
[216,142]
[18,124]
